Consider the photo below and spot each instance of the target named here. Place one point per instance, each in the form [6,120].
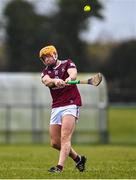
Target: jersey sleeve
[71,64]
[42,75]
[44,72]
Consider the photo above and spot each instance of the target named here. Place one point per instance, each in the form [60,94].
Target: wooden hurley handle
[94,80]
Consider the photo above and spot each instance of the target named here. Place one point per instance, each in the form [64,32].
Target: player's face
[48,60]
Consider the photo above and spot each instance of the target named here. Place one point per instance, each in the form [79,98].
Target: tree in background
[68,23]
[25,35]
[120,72]
[27,32]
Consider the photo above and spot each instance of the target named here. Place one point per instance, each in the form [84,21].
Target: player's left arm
[72,72]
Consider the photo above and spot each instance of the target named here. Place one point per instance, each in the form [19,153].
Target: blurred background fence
[25,110]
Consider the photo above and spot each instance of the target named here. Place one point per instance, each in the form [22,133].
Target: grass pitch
[33,161]
[122,125]
[114,161]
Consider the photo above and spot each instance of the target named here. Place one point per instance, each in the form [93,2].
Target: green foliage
[123,59]
[121,73]
[68,24]
[27,32]
[25,36]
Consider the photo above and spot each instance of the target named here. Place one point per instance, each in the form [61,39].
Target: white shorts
[59,112]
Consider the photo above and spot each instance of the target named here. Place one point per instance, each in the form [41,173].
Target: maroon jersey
[63,96]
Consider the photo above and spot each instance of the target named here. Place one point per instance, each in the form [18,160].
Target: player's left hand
[68,79]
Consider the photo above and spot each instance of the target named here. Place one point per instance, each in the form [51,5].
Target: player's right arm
[50,82]
[47,81]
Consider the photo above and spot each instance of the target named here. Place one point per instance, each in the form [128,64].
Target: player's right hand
[59,82]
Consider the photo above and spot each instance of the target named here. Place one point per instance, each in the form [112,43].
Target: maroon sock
[77,159]
[60,167]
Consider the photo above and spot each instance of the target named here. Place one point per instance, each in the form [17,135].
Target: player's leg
[55,135]
[55,130]
[67,128]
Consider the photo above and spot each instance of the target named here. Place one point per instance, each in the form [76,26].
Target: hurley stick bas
[95,80]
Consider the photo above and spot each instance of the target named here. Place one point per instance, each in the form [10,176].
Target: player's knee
[65,139]
[55,145]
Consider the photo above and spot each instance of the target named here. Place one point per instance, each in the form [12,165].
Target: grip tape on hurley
[74,82]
